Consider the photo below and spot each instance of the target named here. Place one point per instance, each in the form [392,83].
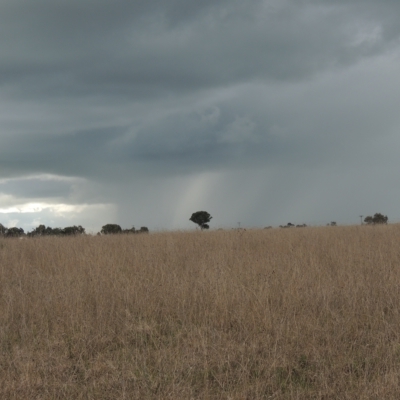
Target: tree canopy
[201,218]
[110,229]
[378,218]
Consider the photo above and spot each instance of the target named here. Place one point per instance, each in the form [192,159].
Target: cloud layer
[144,112]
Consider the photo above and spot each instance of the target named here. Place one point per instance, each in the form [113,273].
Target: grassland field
[310,313]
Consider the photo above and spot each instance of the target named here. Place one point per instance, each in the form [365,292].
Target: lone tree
[201,218]
[378,218]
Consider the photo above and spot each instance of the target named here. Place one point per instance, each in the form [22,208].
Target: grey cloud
[258,102]
[310,124]
[156,48]
[36,188]
[90,160]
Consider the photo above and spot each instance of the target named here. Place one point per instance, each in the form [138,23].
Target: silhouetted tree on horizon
[201,218]
[378,218]
[110,229]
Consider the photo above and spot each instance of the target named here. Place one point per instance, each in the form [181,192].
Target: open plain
[309,313]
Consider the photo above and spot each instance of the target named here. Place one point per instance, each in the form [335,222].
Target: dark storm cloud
[167,99]
[36,188]
[142,48]
[81,153]
[227,136]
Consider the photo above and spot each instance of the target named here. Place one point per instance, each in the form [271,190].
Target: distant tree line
[201,218]
[290,225]
[42,230]
[74,230]
[378,218]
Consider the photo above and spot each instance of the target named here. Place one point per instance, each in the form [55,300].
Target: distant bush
[73,230]
[111,229]
[14,232]
[289,225]
[11,232]
[132,230]
[378,218]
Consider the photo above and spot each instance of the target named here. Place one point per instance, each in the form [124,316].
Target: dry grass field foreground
[309,313]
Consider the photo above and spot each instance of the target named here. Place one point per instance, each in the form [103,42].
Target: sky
[140,113]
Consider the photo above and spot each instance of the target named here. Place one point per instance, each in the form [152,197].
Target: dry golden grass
[310,313]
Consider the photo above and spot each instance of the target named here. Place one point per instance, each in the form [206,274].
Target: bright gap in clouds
[57,209]
[31,215]
[51,200]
